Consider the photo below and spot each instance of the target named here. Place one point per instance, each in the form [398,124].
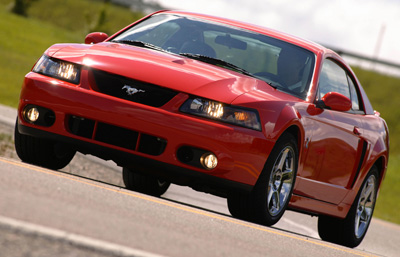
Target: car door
[334,147]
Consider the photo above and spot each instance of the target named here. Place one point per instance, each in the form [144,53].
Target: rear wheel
[351,230]
[144,184]
[42,152]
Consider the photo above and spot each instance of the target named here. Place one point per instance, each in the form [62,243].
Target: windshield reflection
[280,64]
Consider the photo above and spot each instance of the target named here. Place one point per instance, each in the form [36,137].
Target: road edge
[72,239]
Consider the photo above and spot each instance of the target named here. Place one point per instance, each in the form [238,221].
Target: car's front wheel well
[294,131]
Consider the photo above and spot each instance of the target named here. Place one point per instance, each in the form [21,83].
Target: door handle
[357,130]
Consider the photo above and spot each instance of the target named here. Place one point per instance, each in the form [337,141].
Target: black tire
[239,205]
[351,230]
[274,188]
[144,184]
[42,152]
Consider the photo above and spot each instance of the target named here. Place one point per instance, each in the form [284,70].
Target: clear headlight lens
[58,69]
[226,113]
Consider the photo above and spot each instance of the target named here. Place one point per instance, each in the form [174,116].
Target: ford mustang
[267,120]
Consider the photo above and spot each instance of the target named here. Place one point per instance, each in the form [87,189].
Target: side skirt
[315,207]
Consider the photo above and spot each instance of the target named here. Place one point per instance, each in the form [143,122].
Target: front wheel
[136,181]
[239,205]
[42,152]
[351,230]
[273,190]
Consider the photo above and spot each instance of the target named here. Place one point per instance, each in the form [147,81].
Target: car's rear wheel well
[380,166]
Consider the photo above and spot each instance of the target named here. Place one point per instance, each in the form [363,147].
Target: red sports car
[267,120]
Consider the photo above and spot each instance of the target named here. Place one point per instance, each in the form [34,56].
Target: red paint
[329,140]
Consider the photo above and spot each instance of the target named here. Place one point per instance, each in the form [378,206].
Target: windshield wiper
[217,62]
[270,82]
[139,44]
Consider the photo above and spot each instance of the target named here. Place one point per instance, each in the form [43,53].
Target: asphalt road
[78,212]
[70,210]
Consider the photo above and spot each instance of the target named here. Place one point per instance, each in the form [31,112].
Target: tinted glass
[333,79]
[354,95]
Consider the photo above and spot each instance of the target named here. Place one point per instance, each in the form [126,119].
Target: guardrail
[379,65]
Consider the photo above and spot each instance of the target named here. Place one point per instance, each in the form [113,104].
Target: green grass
[6,145]
[80,16]
[383,93]
[23,40]
[83,16]
[388,204]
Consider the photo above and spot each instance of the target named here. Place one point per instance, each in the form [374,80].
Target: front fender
[277,115]
[288,117]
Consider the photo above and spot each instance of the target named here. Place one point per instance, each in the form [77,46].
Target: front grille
[131,90]
[114,135]
[117,136]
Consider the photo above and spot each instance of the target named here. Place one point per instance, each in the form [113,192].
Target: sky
[367,27]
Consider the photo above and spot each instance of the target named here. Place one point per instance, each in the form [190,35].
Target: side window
[333,79]
[354,96]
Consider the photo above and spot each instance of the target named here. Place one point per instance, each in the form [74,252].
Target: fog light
[31,114]
[209,161]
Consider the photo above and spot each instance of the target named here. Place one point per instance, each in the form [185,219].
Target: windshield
[280,64]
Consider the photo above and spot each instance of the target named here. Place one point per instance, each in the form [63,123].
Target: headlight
[58,69]
[226,113]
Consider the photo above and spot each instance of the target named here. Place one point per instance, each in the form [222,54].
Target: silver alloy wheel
[365,206]
[281,181]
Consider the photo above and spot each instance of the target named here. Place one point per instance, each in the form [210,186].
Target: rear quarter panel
[375,132]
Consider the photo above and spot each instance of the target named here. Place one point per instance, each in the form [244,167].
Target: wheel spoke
[363,215]
[369,190]
[286,177]
[273,201]
[363,200]
[368,212]
[369,204]
[283,159]
[365,206]
[358,220]
[277,202]
[287,174]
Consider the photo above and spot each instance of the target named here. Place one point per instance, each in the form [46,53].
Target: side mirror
[95,37]
[335,101]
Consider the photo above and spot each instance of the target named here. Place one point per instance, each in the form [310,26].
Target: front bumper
[117,129]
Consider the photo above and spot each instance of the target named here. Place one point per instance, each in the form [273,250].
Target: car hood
[160,68]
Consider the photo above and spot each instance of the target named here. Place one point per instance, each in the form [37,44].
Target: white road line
[73,239]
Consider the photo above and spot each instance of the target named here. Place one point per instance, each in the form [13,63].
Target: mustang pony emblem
[131,90]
